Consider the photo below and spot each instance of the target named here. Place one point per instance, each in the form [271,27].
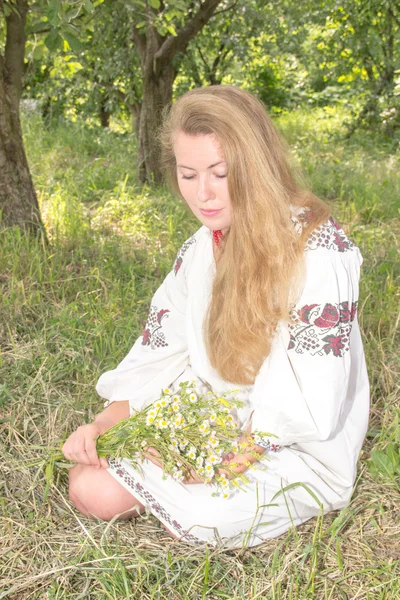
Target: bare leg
[96,494]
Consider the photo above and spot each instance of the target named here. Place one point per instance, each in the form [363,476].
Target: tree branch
[174,44]
[15,47]
[220,56]
[231,7]
[202,57]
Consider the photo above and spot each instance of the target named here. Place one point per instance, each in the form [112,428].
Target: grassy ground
[72,310]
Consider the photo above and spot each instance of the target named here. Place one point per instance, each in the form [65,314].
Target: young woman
[262,298]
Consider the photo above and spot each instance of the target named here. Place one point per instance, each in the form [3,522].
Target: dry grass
[64,316]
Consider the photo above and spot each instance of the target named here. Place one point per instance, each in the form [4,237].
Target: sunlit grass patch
[363,170]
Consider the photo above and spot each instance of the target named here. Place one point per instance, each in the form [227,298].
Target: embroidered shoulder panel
[321,329]
[330,236]
[181,253]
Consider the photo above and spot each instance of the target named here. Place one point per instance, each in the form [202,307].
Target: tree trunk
[157,93]
[104,114]
[18,201]
[159,64]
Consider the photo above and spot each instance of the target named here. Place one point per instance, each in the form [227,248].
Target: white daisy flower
[213,459]
[166,391]
[193,398]
[199,462]
[179,421]
[191,453]
[183,444]
[176,398]
[175,406]
[209,470]
[177,475]
[213,441]
[205,427]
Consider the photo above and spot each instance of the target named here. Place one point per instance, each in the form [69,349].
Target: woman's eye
[187,176]
[222,176]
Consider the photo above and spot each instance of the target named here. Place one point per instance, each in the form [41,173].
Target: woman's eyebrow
[210,167]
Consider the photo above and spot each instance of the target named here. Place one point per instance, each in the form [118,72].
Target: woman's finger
[91,452]
[151,454]
[193,478]
[152,451]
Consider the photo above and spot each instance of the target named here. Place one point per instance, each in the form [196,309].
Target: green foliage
[81,58]
[386,464]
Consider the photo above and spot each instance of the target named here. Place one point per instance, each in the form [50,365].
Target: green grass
[71,310]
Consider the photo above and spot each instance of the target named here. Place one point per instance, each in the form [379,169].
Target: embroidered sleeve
[316,364]
[322,328]
[160,354]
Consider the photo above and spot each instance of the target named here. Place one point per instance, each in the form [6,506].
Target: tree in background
[161,32]
[18,201]
[18,19]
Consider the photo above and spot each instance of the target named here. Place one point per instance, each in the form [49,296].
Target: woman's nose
[205,190]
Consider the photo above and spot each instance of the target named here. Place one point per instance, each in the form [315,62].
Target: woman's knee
[95,493]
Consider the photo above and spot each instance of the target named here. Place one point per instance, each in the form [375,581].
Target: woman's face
[202,178]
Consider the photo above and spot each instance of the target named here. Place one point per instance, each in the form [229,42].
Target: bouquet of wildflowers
[191,433]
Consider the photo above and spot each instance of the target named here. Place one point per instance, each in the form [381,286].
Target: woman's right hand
[80,447]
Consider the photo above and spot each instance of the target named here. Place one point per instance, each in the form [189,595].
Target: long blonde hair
[261,264]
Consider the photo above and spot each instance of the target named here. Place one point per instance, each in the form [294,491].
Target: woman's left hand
[239,463]
[153,456]
[236,463]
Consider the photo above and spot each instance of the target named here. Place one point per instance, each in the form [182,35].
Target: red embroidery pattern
[331,236]
[302,219]
[322,328]
[181,254]
[156,508]
[152,334]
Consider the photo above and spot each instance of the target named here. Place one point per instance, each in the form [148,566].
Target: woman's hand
[239,463]
[153,456]
[236,463]
[80,447]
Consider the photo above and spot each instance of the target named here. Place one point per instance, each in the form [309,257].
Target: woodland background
[88,231]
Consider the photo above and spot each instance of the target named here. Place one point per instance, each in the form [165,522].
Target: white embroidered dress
[312,392]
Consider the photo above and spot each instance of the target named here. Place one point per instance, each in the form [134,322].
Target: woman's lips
[210,213]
